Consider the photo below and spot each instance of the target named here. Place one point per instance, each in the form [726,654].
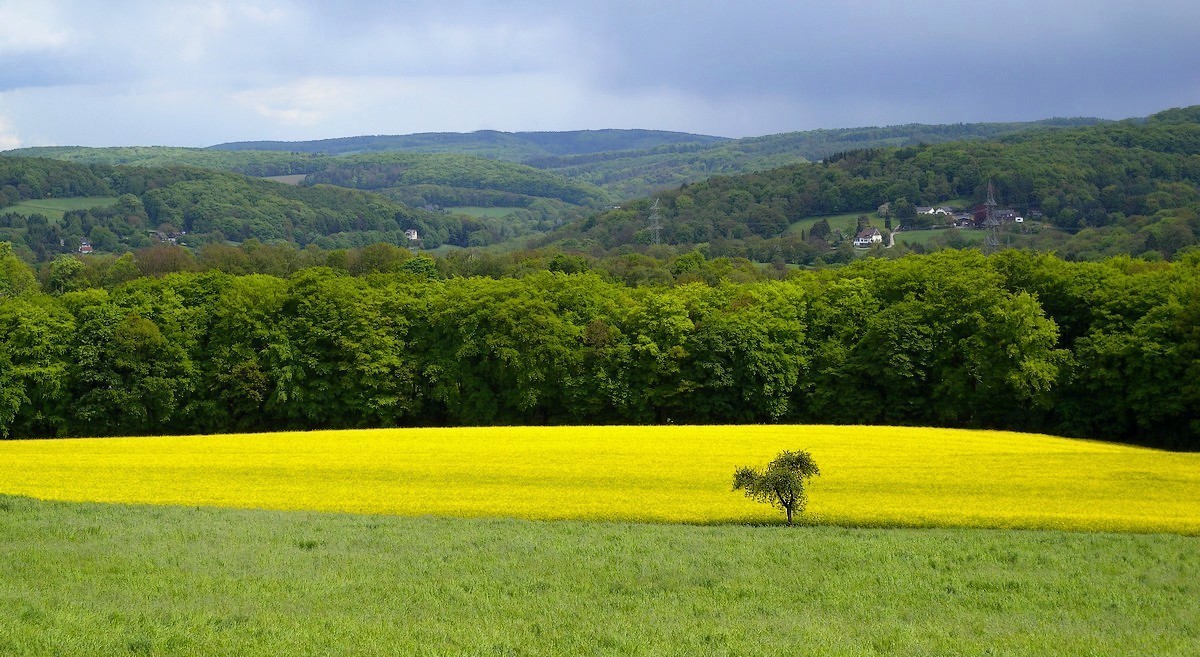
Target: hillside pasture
[924,237]
[871,476]
[478,211]
[847,223]
[54,208]
[289,179]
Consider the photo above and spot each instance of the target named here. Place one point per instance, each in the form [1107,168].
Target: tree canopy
[267,338]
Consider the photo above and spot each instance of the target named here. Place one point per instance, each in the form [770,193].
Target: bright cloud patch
[30,26]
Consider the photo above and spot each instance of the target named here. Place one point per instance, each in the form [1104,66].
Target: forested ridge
[209,207]
[575,165]
[630,174]
[383,171]
[1106,350]
[1126,187]
[396,170]
[511,146]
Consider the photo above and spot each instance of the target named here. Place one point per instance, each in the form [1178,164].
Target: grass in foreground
[86,579]
[870,476]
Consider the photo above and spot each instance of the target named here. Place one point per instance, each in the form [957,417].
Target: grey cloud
[716,67]
[1043,55]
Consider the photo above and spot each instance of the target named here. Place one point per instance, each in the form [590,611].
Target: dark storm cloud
[945,58]
[201,71]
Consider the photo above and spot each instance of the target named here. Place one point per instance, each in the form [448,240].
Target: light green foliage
[421,266]
[16,277]
[781,484]
[67,274]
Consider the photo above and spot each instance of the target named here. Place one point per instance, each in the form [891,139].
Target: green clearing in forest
[478,211]
[289,179]
[846,222]
[92,579]
[971,236]
[53,208]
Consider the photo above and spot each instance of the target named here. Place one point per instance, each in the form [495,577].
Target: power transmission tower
[655,224]
[991,223]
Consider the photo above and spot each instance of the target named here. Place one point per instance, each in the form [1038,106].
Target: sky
[197,73]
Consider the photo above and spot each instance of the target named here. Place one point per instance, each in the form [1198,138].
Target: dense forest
[399,170]
[1128,187]
[196,207]
[1107,350]
[494,182]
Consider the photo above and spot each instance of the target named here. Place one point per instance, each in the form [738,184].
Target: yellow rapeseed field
[871,476]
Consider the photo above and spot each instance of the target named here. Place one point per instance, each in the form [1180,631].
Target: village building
[867,237]
[940,210]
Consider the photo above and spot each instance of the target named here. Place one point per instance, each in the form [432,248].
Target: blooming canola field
[870,476]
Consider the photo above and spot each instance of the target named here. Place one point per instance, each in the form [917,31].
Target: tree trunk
[789,514]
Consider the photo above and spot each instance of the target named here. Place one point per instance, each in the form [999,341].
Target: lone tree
[781,484]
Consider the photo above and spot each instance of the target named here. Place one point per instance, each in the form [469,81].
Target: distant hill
[597,165]
[258,164]
[195,206]
[541,179]
[631,163]
[442,179]
[511,146]
[1110,187]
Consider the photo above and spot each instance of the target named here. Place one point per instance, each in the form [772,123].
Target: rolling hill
[1125,187]
[511,146]
[623,163]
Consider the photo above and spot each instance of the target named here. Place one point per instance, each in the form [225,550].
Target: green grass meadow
[847,223]
[289,179]
[975,237]
[93,579]
[478,211]
[53,208]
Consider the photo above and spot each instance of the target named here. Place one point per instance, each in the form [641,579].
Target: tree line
[1020,341]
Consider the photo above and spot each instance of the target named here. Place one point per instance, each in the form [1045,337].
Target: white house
[868,236]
